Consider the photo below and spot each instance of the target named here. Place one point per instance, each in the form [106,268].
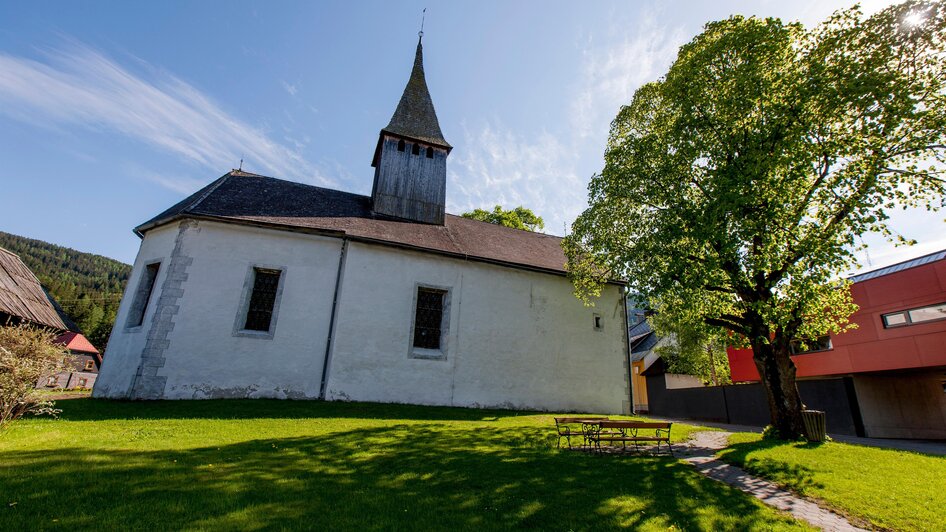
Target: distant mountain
[88,287]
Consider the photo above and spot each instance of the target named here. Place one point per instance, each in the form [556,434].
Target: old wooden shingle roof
[22,296]
[415,116]
[245,198]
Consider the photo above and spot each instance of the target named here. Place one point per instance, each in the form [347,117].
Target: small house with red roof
[82,366]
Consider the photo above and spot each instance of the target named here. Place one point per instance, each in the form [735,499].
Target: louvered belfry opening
[259,314]
[428,318]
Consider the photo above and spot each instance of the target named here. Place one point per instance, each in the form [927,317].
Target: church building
[258,287]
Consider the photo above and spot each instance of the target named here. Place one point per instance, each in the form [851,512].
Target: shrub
[27,354]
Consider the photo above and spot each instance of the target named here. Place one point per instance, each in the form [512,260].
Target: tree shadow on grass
[418,476]
[795,477]
[103,409]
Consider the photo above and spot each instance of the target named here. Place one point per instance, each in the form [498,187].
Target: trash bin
[814,425]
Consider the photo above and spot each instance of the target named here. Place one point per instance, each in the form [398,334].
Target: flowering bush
[27,354]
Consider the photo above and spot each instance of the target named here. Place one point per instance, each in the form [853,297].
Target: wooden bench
[567,427]
[636,432]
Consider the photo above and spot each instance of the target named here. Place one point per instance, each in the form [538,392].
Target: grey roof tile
[242,197]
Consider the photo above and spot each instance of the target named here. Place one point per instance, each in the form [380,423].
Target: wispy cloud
[77,86]
[614,69]
[500,167]
[290,88]
[548,172]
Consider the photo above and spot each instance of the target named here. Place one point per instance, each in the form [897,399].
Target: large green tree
[738,184]
[518,218]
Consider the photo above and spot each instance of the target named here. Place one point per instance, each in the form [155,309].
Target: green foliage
[518,218]
[315,465]
[27,354]
[88,287]
[855,480]
[738,184]
[694,348]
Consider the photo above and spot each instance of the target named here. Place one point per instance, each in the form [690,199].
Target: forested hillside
[88,287]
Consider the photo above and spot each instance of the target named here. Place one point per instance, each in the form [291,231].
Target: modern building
[897,355]
[259,287]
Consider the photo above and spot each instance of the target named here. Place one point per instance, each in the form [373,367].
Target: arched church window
[430,153]
[415,149]
[400,145]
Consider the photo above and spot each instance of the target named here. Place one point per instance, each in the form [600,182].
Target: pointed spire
[415,116]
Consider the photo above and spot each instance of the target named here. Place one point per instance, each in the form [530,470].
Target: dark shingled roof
[643,339]
[22,296]
[415,116]
[242,197]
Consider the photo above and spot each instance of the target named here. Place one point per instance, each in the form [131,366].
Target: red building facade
[897,355]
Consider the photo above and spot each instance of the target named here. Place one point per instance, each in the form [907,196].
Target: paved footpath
[701,453]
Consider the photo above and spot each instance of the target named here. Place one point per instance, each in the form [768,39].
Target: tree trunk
[709,351]
[778,378]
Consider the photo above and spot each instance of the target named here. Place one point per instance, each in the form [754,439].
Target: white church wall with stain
[207,355]
[123,353]
[516,339]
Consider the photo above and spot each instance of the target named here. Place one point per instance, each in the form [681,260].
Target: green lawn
[316,465]
[890,489]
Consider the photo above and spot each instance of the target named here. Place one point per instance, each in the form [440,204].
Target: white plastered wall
[206,358]
[123,354]
[517,339]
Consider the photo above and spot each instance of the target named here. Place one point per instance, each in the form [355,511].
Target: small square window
[89,365]
[83,383]
[892,320]
[799,347]
[599,324]
[52,381]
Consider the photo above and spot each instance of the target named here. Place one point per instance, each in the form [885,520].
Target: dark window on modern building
[428,317]
[259,313]
[415,149]
[799,347]
[913,316]
[136,316]
[400,145]
[430,153]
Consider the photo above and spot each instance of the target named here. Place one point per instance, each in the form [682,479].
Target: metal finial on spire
[423,15]
[241,163]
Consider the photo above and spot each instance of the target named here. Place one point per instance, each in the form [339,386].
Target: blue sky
[112,111]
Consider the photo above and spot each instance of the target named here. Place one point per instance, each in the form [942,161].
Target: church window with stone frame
[259,312]
[139,305]
[429,317]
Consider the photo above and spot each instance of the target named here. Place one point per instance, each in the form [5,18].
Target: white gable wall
[208,358]
[125,345]
[517,339]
